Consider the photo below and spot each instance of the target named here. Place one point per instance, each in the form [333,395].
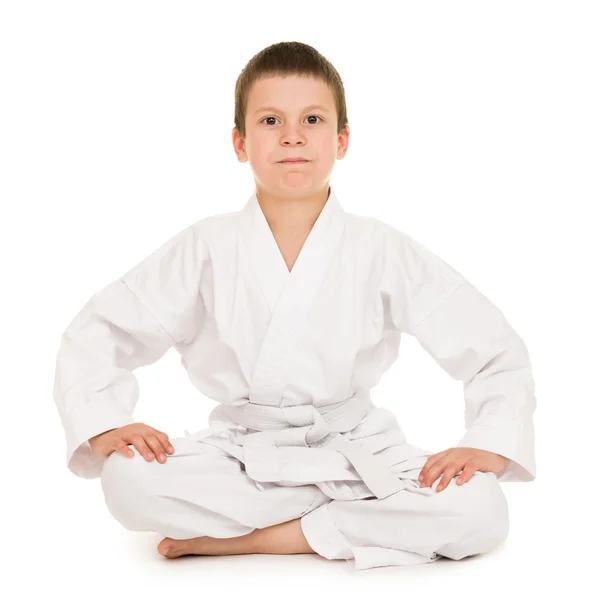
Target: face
[291,117]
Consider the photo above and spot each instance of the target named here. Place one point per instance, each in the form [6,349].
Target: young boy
[287,312]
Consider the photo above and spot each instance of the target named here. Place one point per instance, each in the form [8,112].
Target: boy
[287,313]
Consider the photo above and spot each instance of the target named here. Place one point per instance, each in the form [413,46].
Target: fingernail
[421,478]
[162,457]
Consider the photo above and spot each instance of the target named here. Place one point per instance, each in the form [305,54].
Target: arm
[130,323]
[472,341]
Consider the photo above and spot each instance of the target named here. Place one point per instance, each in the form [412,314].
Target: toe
[167,547]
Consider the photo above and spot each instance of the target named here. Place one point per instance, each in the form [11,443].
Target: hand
[452,461]
[143,437]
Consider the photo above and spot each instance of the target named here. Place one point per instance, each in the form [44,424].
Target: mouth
[293,162]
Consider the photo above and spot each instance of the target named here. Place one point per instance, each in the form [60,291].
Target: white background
[472,132]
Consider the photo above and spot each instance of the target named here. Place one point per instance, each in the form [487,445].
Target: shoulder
[367,228]
[188,248]
[401,253]
[386,241]
[202,232]
[215,224]
[381,231]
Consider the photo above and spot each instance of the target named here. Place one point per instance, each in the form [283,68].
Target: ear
[239,146]
[343,139]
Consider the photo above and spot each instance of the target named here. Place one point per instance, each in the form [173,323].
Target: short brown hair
[283,59]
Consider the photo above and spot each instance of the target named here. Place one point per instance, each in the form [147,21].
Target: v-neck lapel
[268,261]
[266,258]
[288,294]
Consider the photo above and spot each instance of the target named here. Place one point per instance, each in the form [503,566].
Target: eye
[309,117]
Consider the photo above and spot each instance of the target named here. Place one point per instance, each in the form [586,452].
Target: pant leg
[198,491]
[203,491]
[414,526]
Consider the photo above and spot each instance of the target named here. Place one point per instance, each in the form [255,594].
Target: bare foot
[209,546]
[283,538]
[171,548]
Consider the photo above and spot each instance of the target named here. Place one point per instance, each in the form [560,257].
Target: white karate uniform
[291,357]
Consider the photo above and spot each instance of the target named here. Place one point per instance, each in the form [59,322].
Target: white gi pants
[202,491]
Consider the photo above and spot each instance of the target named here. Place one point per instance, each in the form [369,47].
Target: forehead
[289,93]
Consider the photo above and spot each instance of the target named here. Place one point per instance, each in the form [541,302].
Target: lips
[294,160]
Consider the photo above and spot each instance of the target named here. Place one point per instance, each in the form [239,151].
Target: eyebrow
[274,109]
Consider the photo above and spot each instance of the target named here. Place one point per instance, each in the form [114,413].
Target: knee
[486,510]
[125,483]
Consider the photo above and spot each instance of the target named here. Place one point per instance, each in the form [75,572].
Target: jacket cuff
[84,424]
[513,440]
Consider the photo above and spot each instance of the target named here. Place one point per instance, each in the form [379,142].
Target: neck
[292,213]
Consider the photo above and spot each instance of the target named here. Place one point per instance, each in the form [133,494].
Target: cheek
[326,150]
[259,152]
[327,142]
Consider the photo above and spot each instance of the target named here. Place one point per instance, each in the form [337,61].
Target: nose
[292,138]
[292,135]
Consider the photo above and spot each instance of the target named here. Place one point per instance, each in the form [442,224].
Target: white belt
[307,425]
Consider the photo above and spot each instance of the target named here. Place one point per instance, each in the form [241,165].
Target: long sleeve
[130,323]
[472,341]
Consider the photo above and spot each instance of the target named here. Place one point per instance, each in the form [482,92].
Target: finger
[121,447]
[434,471]
[446,478]
[453,461]
[156,447]
[429,463]
[468,471]
[140,444]
[164,438]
